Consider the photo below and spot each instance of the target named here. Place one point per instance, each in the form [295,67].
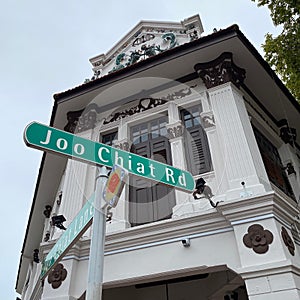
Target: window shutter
[140,204]
[273,164]
[150,201]
[163,196]
[199,160]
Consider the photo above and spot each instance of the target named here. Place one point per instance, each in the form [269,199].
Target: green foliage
[283,52]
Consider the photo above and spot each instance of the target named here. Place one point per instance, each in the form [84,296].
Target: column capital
[175,130]
[208,120]
[124,144]
[220,70]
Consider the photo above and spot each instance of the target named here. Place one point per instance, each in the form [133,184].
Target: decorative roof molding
[220,70]
[146,39]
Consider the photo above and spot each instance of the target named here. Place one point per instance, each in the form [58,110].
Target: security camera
[186,242]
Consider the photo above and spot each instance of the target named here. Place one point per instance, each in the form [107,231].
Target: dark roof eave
[234,29]
[35,195]
[140,64]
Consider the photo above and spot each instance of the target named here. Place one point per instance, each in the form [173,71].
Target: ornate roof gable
[146,39]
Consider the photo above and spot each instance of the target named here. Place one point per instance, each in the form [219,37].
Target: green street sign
[47,138]
[77,227]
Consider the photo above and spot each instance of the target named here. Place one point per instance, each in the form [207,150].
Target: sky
[45,47]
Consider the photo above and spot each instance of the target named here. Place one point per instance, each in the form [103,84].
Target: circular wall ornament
[288,240]
[57,275]
[258,238]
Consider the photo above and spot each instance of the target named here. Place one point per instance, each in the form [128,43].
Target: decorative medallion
[57,276]
[220,70]
[258,238]
[288,240]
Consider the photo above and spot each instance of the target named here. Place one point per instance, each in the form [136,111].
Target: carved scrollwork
[175,131]
[144,104]
[220,70]
[148,103]
[81,120]
[145,51]
[208,120]
[122,145]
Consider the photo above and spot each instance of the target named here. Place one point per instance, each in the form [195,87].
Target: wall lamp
[58,222]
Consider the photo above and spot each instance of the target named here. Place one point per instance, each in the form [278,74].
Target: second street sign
[77,227]
[49,139]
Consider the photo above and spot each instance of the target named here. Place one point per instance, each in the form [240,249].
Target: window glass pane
[108,138]
[158,200]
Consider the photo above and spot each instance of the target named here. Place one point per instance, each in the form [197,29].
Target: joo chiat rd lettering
[46,138]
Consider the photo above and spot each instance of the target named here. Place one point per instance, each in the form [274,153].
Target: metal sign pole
[96,260]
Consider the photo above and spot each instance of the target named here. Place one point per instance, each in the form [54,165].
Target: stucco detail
[57,276]
[258,238]
[220,70]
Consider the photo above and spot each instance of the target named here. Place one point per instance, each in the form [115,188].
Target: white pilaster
[74,193]
[119,219]
[242,159]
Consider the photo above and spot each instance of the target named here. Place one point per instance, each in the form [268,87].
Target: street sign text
[46,138]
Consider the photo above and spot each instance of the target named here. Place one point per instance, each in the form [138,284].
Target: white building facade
[207,104]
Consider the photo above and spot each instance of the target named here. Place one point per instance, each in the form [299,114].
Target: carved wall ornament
[288,241]
[83,119]
[288,135]
[47,236]
[208,120]
[258,239]
[143,39]
[290,169]
[57,275]
[193,35]
[220,70]
[47,211]
[148,103]
[144,104]
[59,198]
[122,145]
[36,258]
[175,131]
[123,59]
